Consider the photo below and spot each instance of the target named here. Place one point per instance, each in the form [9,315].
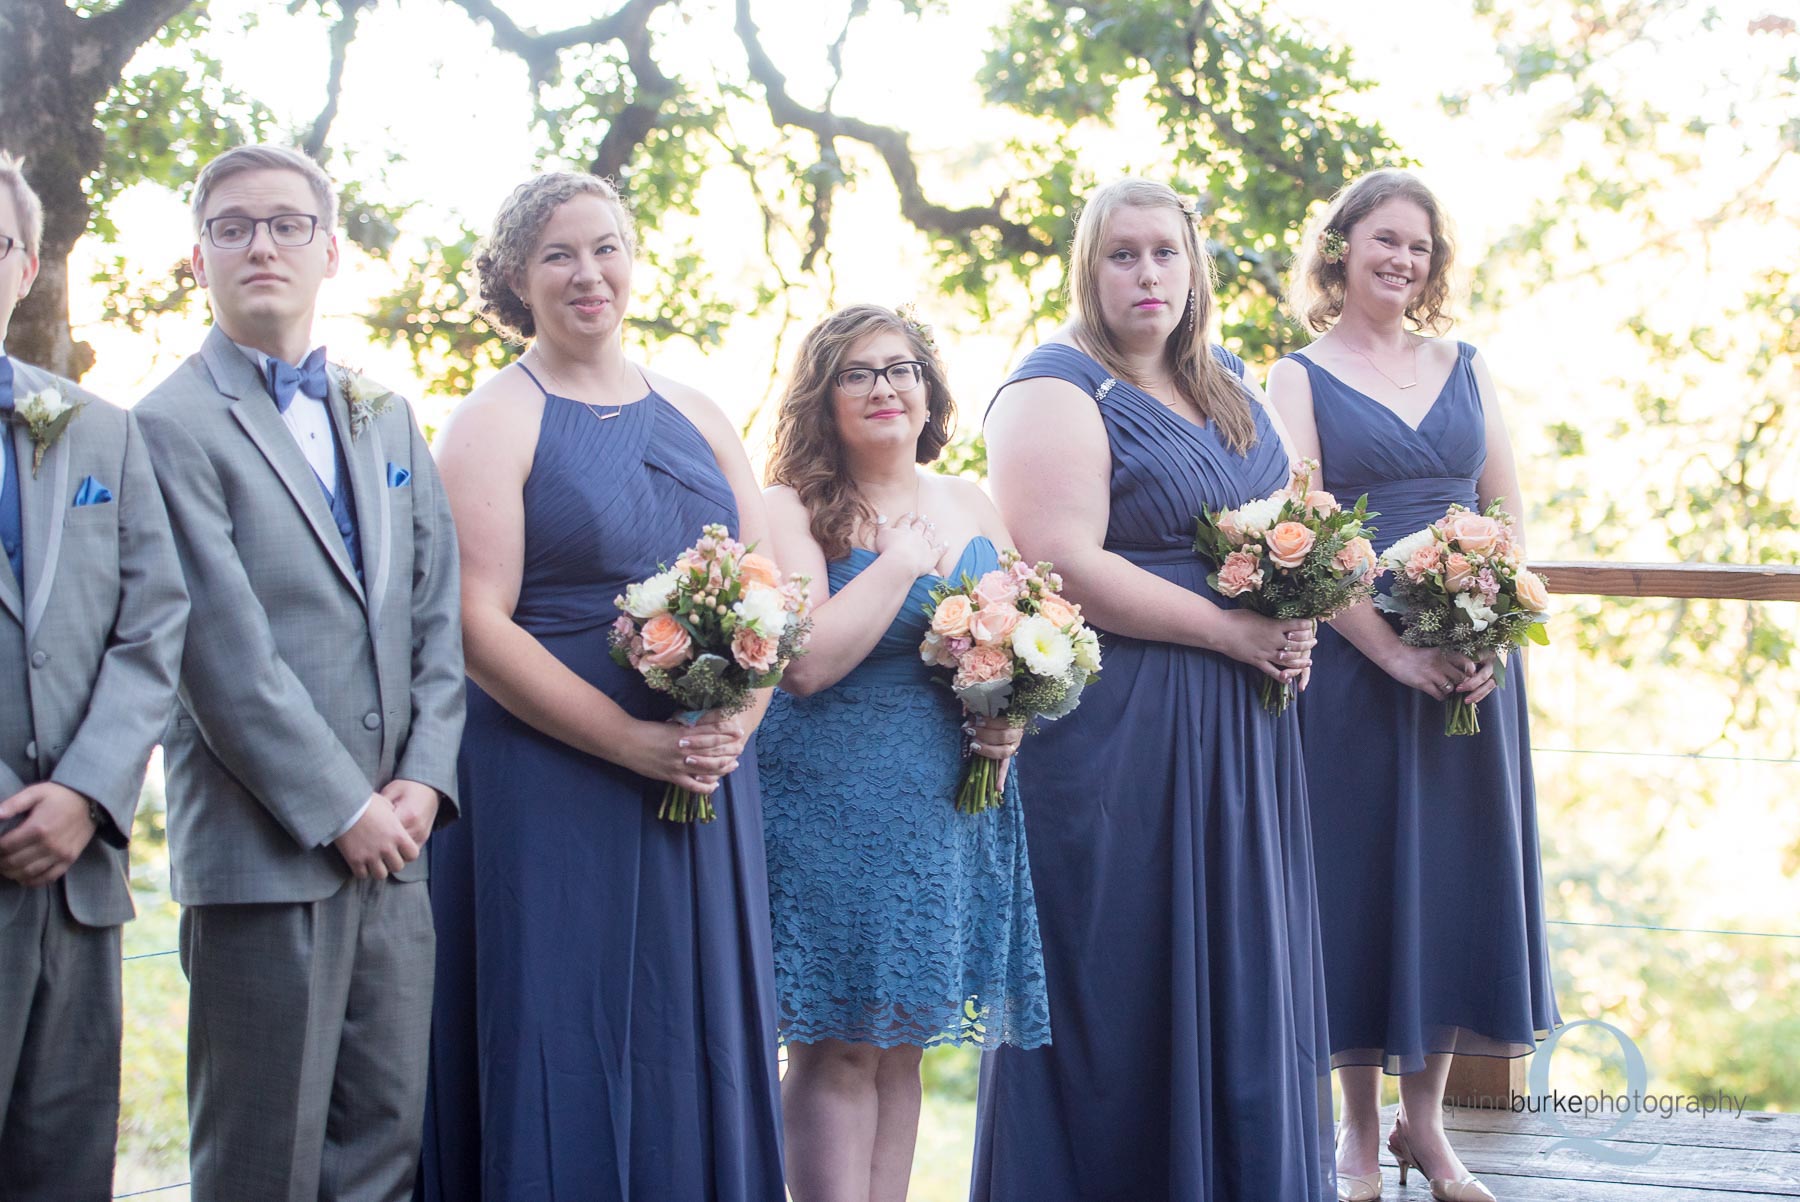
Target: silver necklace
[1397,384]
[592,409]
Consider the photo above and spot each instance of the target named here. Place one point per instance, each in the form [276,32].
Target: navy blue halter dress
[604,1027]
[1170,850]
[1428,867]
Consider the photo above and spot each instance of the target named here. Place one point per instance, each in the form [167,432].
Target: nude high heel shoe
[1363,1188]
[1443,1189]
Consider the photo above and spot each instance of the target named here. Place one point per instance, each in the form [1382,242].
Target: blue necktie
[284,379]
[12,530]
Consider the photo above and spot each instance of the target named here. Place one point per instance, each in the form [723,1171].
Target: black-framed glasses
[6,245]
[285,229]
[860,381]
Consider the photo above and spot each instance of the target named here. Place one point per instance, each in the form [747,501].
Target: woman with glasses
[899,923]
[1168,824]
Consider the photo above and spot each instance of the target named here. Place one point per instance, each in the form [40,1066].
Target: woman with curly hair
[605,1010]
[899,923]
[1429,891]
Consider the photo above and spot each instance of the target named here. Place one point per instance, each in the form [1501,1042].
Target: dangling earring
[1193,310]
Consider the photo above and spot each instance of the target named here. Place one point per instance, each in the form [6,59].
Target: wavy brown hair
[1316,292]
[1200,379]
[807,453]
[504,255]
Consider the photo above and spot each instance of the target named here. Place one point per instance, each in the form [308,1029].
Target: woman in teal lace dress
[899,923]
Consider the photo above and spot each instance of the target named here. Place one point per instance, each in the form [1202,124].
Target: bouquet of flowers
[1461,583]
[707,631]
[1295,554]
[1015,649]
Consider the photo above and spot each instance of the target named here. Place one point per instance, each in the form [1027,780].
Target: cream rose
[1473,533]
[758,569]
[1532,593]
[996,588]
[1459,573]
[1320,502]
[763,610]
[951,617]
[1288,544]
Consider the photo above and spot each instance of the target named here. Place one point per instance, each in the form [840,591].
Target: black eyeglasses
[286,229]
[6,245]
[860,381]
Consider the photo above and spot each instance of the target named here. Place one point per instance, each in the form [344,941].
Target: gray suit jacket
[89,650]
[302,691]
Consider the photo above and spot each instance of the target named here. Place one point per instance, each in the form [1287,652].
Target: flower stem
[685,805]
[979,792]
[1460,718]
[1277,695]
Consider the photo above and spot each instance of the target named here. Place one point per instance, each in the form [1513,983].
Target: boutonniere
[46,414]
[367,399]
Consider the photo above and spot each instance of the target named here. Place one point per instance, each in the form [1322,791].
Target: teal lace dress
[897,920]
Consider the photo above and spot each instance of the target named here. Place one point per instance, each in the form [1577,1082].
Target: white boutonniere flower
[46,414]
[367,399]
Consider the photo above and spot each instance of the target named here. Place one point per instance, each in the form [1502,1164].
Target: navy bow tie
[284,379]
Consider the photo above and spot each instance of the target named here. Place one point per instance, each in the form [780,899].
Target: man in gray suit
[314,748]
[91,616]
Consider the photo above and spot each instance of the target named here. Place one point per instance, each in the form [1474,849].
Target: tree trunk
[55,68]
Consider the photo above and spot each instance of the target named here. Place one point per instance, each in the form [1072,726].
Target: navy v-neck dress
[604,1026]
[1172,860]
[1428,875]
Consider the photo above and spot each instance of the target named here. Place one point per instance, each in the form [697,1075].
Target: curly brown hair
[1316,292]
[503,256]
[806,453]
[1202,380]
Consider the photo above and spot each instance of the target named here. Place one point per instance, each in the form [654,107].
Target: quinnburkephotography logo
[1634,1102]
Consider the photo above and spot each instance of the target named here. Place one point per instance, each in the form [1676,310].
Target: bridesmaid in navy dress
[604,1023]
[1167,816]
[899,922]
[1428,873]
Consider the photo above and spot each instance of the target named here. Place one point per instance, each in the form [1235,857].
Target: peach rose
[1532,593]
[1473,533]
[756,569]
[1320,502]
[1239,574]
[992,623]
[755,652]
[1060,612]
[1459,573]
[983,664]
[951,618]
[1356,555]
[1288,544]
[996,588]
[1424,561]
[666,642]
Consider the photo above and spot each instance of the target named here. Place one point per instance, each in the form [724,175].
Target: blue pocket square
[398,477]
[91,492]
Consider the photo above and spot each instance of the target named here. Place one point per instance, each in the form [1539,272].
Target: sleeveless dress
[1428,875]
[604,1019]
[897,920]
[1173,864]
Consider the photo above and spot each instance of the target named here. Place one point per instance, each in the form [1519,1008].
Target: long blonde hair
[1199,378]
[807,453]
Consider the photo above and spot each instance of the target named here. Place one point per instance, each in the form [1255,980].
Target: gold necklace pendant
[1397,384]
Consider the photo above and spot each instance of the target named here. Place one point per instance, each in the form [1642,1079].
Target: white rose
[652,597]
[763,610]
[1254,517]
[1045,649]
[1397,555]
[1479,615]
[45,405]
[1087,649]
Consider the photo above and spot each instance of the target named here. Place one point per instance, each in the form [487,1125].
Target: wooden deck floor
[1716,1158]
